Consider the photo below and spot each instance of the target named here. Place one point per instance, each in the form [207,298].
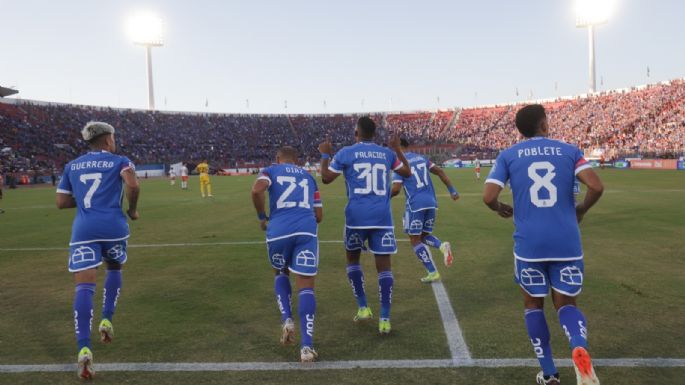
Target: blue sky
[343,52]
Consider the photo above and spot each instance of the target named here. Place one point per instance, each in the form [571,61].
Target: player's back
[366,167]
[542,173]
[418,187]
[94,180]
[293,195]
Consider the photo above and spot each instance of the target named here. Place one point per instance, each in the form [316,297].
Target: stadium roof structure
[4,91]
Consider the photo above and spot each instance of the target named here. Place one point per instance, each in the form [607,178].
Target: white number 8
[542,181]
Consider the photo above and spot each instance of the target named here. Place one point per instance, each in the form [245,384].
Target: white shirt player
[184,171]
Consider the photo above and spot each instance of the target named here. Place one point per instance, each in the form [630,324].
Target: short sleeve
[429,163]
[580,162]
[126,164]
[499,174]
[396,164]
[265,174]
[397,178]
[338,163]
[64,186]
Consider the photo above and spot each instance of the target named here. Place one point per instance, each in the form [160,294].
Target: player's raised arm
[326,150]
[437,170]
[395,145]
[132,191]
[595,188]
[258,189]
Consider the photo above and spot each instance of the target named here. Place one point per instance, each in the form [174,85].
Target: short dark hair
[404,142]
[288,152]
[366,127]
[528,119]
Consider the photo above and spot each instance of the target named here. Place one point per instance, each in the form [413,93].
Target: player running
[172,176]
[94,184]
[203,170]
[547,246]
[421,205]
[184,176]
[291,236]
[368,218]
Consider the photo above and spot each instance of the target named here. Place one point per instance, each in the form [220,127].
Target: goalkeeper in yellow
[203,170]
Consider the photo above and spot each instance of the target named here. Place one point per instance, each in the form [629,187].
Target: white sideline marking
[455,338]
[324,365]
[152,245]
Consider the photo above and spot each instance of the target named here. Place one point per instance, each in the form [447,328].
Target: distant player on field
[291,236]
[184,176]
[203,170]
[419,216]
[547,246]
[172,176]
[367,168]
[476,164]
[94,183]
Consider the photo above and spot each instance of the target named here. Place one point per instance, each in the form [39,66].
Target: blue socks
[83,313]
[539,337]
[283,295]
[111,293]
[385,282]
[432,241]
[575,326]
[424,255]
[356,277]
[306,309]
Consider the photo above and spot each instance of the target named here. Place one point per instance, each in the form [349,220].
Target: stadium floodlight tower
[589,14]
[145,29]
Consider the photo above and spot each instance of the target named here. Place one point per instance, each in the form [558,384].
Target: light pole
[590,14]
[145,29]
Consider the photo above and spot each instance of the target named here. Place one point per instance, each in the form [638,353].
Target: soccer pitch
[199,289]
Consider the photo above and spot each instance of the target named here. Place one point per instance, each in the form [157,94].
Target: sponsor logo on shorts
[388,239]
[116,252]
[571,275]
[306,258]
[532,277]
[83,254]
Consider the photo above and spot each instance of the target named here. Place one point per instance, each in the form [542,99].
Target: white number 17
[96,178]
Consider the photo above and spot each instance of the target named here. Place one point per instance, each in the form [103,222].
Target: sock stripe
[85,286]
[530,311]
[351,268]
[385,274]
[306,292]
[564,307]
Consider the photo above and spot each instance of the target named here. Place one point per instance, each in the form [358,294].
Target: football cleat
[541,379]
[288,332]
[446,249]
[308,354]
[106,331]
[431,277]
[582,363]
[85,364]
[363,314]
[384,326]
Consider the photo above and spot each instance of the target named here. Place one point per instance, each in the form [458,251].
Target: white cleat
[446,250]
[288,332]
[308,354]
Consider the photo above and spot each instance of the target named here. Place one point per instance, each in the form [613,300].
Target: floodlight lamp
[145,28]
[593,12]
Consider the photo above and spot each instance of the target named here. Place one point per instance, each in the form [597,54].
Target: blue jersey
[418,187]
[542,173]
[95,182]
[293,194]
[366,167]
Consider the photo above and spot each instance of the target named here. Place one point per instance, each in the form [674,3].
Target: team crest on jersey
[388,239]
[571,275]
[83,254]
[278,260]
[429,222]
[415,225]
[116,252]
[532,277]
[354,240]
[306,258]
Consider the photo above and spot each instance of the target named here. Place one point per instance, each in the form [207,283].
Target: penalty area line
[338,365]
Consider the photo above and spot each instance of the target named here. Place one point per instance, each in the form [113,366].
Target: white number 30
[540,182]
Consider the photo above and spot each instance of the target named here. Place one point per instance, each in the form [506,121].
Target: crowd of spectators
[38,138]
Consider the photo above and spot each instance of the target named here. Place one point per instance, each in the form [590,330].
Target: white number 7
[96,178]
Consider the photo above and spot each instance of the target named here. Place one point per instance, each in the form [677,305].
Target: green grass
[215,303]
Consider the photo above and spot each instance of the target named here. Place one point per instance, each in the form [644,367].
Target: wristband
[262,216]
[452,190]
[325,156]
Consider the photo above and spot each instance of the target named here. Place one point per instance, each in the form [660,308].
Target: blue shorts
[565,277]
[89,255]
[380,241]
[299,254]
[417,222]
